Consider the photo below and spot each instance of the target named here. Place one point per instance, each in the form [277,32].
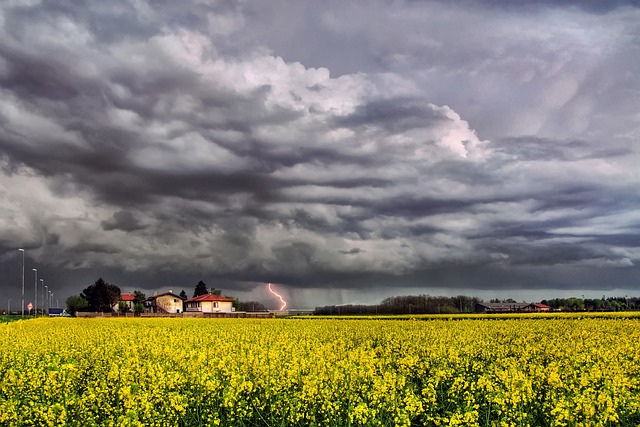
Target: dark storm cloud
[122,220]
[394,115]
[161,142]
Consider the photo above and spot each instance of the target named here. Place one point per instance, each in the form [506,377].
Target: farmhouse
[127,299]
[209,303]
[167,302]
[537,307]
[500,307]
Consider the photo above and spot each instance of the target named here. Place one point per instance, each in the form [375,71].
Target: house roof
[151,298]
[127,297]
[210,297]
[538,305]
[495,305]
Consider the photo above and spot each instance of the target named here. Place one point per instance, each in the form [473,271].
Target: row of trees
[426,304]
[102,297]
[594,304]
[410,304]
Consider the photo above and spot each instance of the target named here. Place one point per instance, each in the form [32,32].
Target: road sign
[29,306]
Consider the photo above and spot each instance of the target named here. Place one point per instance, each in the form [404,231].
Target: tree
[101,296]
[138,308]
[123,307]
[138,296]
[201,289]
[76,303]
[183,294]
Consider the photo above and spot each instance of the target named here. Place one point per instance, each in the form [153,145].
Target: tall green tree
[101,296]
[76,303]
[183,294]
[201,289]
[138,296]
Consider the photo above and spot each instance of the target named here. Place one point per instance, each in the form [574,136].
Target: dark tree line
[594,304]
[411,304]
[426,304]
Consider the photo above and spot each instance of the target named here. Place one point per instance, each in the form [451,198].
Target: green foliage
[201,289]
[101,296]
[138,308]
[138,296]
[76,303]
[123,307]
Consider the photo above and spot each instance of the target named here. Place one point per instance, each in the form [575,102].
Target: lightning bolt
[284,303]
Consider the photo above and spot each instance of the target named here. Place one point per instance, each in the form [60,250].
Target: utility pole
[35,270]
[22,304]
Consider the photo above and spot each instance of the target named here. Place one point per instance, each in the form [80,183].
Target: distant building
[537,307]
[167,303]
[501,307]
[127,299]
[209,303]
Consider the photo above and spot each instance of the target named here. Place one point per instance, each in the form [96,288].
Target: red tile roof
[210,297]
[127,297]
[540,305]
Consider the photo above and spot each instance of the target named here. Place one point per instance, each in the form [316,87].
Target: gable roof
[209,297]
[127,297]
[539,305]
[151,298]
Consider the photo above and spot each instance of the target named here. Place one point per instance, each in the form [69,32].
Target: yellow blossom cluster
[533,371]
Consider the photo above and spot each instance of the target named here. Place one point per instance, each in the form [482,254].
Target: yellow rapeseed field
[285,372]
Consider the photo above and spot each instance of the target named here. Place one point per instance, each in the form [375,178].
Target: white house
[209,303]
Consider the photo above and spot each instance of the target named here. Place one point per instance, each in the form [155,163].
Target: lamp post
[35,270]
[50,299]
[45,300]
[22,304]
[42,287]
[9,306]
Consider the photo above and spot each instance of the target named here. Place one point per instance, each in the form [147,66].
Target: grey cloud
[122,220]
[224,162]
[395,115]
[352,251]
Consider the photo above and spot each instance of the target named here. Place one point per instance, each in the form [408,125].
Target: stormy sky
[344,151]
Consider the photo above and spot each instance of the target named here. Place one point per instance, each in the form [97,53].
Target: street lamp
[35,270]
[9,306]
[22,305]
[42,286]
[45,300]
[50,299]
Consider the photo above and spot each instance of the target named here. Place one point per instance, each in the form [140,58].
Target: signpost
[29,307]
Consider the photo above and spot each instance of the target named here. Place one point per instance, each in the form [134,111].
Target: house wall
[169,303]
[223,307]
